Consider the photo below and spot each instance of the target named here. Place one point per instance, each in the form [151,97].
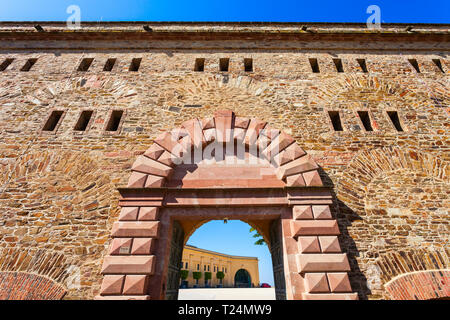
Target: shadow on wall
[345,216]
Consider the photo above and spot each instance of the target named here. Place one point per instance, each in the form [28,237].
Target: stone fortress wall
[389,176]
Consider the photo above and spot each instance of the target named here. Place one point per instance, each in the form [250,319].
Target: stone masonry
[370,107]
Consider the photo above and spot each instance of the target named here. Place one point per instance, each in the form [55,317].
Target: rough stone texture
[58,196]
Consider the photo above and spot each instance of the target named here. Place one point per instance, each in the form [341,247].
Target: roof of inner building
[218,253]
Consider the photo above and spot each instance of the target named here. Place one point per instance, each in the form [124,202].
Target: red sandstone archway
[177,180]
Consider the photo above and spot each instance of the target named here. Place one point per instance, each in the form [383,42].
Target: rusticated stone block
[314,227]
[299,165]
[128,265]
[142,246]
[136,229]
[316,282]
[339,282]
[302,213]
[128,213]
[112,284]
[310,262]
[135,285]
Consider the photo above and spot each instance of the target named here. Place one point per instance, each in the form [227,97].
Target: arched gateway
[216,168]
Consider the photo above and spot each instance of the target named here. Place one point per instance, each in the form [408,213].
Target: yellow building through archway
[202,260]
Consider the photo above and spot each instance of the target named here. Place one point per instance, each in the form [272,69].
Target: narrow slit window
[438,64]
[53,121]
[336,120]
[83,121]
[28,65]
[114,120]
[393,115]
[248,65]
[415,65]
[135,64]
[362,65]
[109,65]
[224,64]
[85,64]
[338,64]
[199,64]
[365,119]
[314,65]
[5,64]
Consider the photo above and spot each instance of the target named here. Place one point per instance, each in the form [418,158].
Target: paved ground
[227,294]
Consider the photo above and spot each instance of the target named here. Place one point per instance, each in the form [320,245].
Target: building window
[186,265]
[204,268]
[53,121]
[199,65]
[208,267]
[182,264]
[114,120]
[85,64]
[198,266]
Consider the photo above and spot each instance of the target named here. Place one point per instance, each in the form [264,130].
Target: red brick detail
[135,285]
[420,285]
[316,282]
[339,282]
[28,286]
[149,229]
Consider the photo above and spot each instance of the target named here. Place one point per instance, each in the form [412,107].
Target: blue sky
[233,238]
[431,11]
